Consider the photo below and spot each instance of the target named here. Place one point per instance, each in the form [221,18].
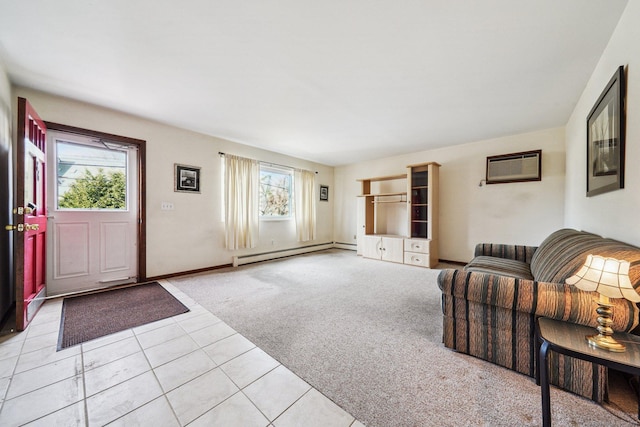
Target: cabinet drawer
[416,245]
[418,259]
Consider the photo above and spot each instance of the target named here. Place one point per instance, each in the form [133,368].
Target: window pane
[90,177]
[275,192]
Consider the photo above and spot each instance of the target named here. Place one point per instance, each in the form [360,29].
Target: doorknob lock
[23,211]
[19,227]
[34,227]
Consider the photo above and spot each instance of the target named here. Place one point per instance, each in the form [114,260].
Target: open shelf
[403,193]
[384,178]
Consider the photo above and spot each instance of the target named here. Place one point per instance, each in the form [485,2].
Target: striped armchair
[491,307]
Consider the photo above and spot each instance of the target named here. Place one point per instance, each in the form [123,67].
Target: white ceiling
[333,81]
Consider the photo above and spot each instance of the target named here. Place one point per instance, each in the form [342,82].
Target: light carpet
[368,335]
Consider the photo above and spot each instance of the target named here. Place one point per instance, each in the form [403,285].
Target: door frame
[7,180]
[142,189]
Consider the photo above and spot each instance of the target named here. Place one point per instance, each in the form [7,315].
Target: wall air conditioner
[514,167]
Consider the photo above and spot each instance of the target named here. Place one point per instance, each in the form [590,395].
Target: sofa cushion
[562,254]
[500,266]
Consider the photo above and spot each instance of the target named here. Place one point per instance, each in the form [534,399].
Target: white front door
[92,213]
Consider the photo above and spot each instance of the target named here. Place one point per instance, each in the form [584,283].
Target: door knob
[33,227]
[19,227]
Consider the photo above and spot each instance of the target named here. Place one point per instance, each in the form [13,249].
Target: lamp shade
[607,276]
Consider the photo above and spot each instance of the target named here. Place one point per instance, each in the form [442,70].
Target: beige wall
[520,213]
[613,214]
[192,235]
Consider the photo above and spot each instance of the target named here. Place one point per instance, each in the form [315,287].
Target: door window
[90,177]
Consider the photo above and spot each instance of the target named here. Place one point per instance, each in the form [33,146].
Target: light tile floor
[190,369]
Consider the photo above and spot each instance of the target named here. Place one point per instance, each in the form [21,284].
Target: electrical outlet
[166,206]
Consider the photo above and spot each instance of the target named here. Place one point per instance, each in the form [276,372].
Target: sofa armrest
[553,300]
[514,252]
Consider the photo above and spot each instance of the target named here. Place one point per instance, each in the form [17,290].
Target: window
[275,192]
[90,176]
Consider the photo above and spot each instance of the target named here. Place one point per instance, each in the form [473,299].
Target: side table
[569,339]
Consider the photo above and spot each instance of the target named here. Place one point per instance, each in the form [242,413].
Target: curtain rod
[220,153]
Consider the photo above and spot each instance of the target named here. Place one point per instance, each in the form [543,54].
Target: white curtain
[305,200]
[241,183]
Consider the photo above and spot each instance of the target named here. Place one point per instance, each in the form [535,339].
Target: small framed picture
[324,193]
[186,178]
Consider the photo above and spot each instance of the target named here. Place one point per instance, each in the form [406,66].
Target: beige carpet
[368,334]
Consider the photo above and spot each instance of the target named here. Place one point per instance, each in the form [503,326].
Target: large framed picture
[186,178]
[605,138]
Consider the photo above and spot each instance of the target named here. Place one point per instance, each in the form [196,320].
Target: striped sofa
[491,307]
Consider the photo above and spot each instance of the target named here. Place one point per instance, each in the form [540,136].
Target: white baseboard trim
[265,256]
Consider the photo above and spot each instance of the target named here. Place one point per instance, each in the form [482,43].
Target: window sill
[275,218]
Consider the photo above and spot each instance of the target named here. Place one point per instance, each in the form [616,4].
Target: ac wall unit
[514,167]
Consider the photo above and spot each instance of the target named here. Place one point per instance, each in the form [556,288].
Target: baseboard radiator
[347,246]
[265,256]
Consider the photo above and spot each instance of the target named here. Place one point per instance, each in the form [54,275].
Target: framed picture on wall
[324,193]
[605,138]
[186,178]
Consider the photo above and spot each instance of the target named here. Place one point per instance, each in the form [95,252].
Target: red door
[30,215]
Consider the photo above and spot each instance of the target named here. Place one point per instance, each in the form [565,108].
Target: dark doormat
[87,317]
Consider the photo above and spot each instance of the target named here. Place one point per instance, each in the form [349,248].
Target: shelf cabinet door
[422,185]
[393,249]
[372,247]
[418,187]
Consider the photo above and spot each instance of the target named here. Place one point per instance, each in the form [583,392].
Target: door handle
[19,227]
[22,227]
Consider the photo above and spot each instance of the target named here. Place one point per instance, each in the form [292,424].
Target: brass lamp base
[605,342]
[604,338]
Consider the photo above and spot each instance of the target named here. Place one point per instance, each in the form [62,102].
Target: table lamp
[608,277]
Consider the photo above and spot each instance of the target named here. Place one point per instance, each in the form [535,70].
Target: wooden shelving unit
[419,245]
